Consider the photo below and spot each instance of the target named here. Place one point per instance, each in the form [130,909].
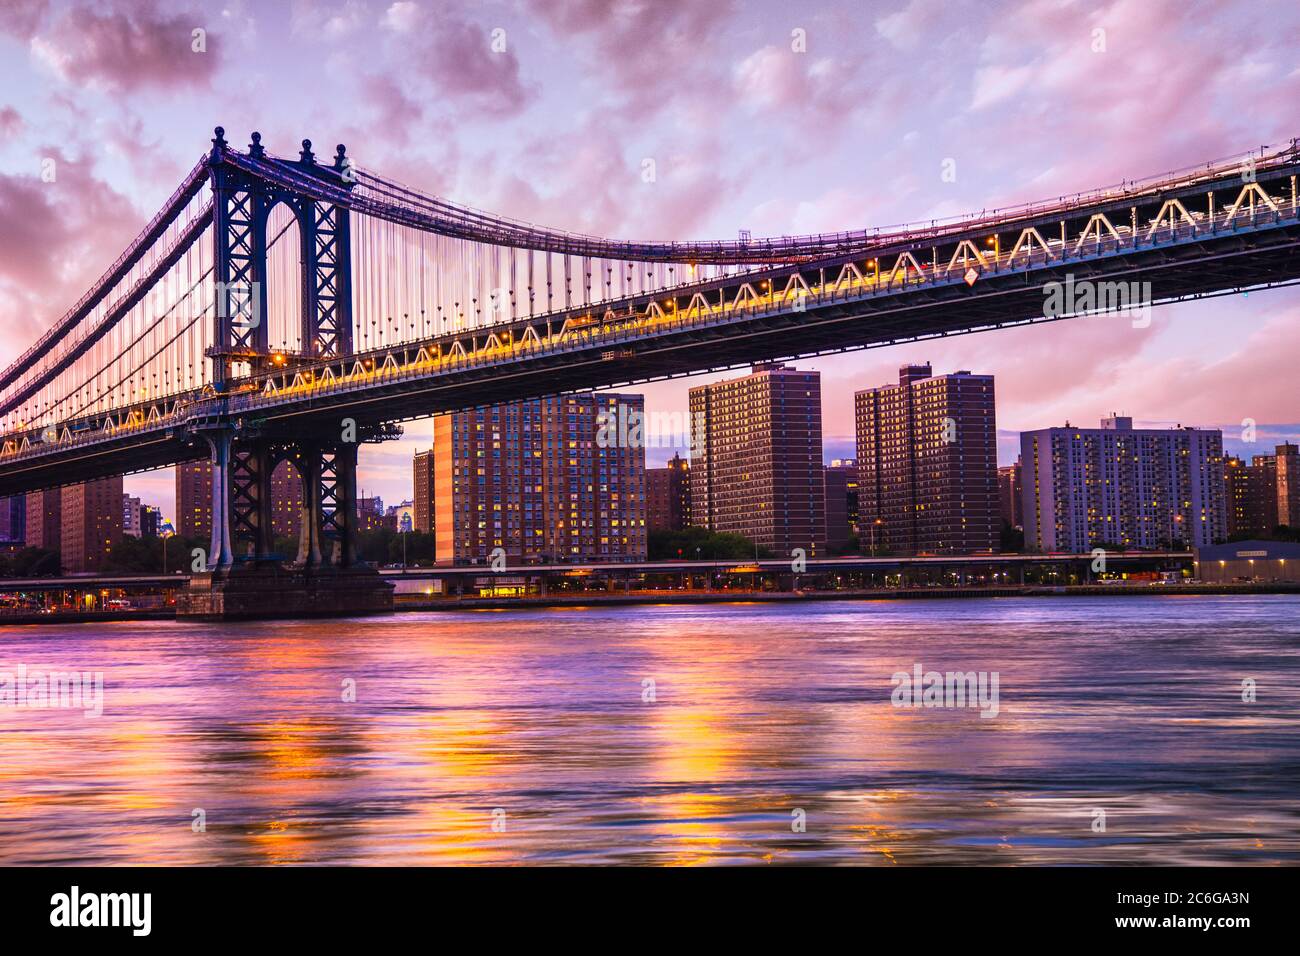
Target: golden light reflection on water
[527,737]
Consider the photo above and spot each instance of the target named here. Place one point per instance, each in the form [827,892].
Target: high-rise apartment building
[91,524]
[194,499]
[544,480]
[13,520]
[1263,494]
[422,465]
[130,516]
[1120,486]
[1287,463]
[927,463]
[151,521]
[757,469]
[1010,505]
[1262,479]
[668,495]
[1250,496]
[286,500]
[44,519]
[1241,511]
[841,503]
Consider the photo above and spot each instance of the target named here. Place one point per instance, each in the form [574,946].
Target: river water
[738,734]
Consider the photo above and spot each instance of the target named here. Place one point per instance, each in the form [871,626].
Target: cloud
[1058,67]
[55,240]
[31,228]
[588,182]
[20,18]
[777,79]
[317,20]
[395,111]
[401,16]
[11,123]
[126,51]
[653,54]
[470,67]
[466,61]
[1254,381]
[996,83]
[909,27]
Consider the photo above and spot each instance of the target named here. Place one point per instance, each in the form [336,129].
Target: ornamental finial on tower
[340,156]
[218,147]
[255,149]
[306,157]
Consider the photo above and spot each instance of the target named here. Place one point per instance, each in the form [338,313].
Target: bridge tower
[242,203]
[244,453]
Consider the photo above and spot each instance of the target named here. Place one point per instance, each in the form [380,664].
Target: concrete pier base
[251,593]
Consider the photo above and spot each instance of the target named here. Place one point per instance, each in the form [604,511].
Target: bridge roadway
[1209,235]
[1120,560]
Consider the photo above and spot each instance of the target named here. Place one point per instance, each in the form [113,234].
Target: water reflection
[530,736]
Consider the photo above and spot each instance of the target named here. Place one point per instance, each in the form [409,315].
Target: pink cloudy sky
[745,133]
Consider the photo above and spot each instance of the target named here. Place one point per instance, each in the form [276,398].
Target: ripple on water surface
[760,719]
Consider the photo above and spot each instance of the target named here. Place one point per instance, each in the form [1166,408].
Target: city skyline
[402,490]
[930,423]
[651,433]
[495,117]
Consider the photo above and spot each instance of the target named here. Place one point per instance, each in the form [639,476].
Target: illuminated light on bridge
[204,339]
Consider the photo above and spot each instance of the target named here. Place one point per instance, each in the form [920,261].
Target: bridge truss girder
[1235,234]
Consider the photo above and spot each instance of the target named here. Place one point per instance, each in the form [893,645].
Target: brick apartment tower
[1263,494]
[44,524]
[1010,505]
[194,499]
[533,479]
[422,466]
[668,495]
[1250,496]
[286,501]
[370,513]
[1262,481]
[758,470]
[1287,464]
[927,461]
[91,525]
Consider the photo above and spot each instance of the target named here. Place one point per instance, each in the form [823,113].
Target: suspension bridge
[289,309]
